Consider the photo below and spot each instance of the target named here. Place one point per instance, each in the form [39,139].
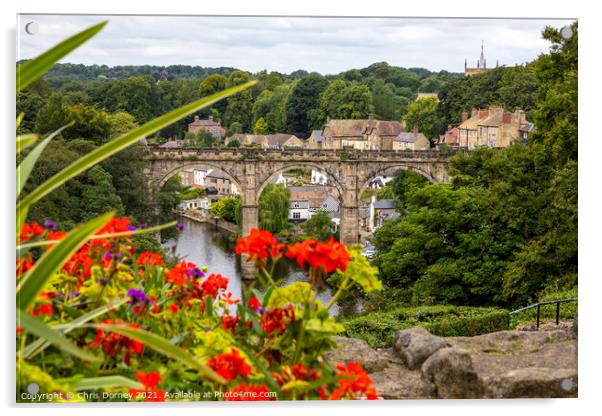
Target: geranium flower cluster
[149,392]
[117,345]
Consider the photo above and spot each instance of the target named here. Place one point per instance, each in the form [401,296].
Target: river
[206,245]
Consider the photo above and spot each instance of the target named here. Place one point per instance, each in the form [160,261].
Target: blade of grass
[25,140]
[40,345]
[106,382]
[120,143]
[139,231]
[53,260]
[33,69]
[20,118]
[163,346]
[38,328]
[25,167]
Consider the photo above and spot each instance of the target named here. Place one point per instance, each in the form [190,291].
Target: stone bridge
[252,169]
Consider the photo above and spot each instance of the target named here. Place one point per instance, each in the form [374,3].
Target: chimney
[507,117]
[483,113]
[210,118]
[521,117]
[464,116]
[475,111]
[196,118]
[415,130]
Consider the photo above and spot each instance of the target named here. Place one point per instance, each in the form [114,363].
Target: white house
[330,204]
[380,211]
[318,178]
[199,176]
[195,203]
[299,211]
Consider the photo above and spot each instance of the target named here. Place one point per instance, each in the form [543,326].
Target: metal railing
[539,305]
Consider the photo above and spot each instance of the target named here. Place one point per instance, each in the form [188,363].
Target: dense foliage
[274,206]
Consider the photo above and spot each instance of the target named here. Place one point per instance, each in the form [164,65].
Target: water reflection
[206,245]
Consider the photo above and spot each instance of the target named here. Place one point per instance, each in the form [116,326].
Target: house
[268,141]
[213,127]
[221,183]
[380,211]
[379,182]
[367,134]
[172,144]
[187,176]
[330,204]
[493,127]
[411,141]
[195,203]
[450,137]
[314,141]
[299,210]
[199,177]
[318,178]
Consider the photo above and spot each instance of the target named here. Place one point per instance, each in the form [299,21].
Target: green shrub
[379,328]
[548,312]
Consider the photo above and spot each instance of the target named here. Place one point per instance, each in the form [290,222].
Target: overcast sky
[285,44]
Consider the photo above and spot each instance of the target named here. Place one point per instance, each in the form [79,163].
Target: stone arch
[300,165]
[402,166]
[159,182]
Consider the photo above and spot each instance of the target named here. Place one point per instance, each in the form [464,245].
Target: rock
[536,382]
[574,331]
[415,345]
[449,374]
[358,350]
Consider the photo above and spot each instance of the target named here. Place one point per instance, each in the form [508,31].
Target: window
[296,215]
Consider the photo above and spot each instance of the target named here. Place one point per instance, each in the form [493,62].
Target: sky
[285,44]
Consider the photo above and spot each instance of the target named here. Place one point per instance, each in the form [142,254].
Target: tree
[271,106]
[227,208]
[90,123]
[235,128]
[274,206]
[29,102]
[423,115]
[234,143]
[261,127]
[303,99]
[319,227]
[121,122]
[240,106]
[98,195]
[52,116]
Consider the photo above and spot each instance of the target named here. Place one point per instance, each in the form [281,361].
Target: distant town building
[493,127]
[367,134]
[299,210]
[411,141]
[187,176]
[481,65]
[268,141]
[202,203]
[221,183]
[213,127]
[318,178]
[317,198]
[379,182]
[380,211]
[199,177]
[314,141]
[172,144]
[450,137]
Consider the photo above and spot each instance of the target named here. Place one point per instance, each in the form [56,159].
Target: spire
[465,63]
[482,62]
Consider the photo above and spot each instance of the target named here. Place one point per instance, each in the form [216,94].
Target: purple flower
[102,281]
[108,255]
[74,294]
[117,255]
[137,295]
[180,227]
[142,225]
[51,225]
[195,273]
[131,228]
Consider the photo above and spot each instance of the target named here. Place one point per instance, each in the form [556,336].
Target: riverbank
[217,222]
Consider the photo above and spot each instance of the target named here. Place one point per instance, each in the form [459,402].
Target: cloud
[325,45]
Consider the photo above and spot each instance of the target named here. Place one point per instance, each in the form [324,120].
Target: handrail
[538,306]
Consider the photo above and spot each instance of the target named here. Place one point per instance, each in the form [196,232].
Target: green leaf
[163,346]
[21,216]
[37,327]
[107,382]
[53,260]
[25,140]
[361,272]
[33,69]
[40,345]
[101,236]
[327,326]
[25,167]
[121,142]
[20,118]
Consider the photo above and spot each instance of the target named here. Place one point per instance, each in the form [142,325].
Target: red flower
[327,256]
[250,392]
[150,393]
[230,365]
[277,319]
[115,344]
[29,231]
[148,258]
[354,383]
[259,244]
[229,322]
[43,309]
[115,225]
[254,303]
[182,273]
[298,372]
[173,307]
[227,299]
[213,283]
[23,265]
